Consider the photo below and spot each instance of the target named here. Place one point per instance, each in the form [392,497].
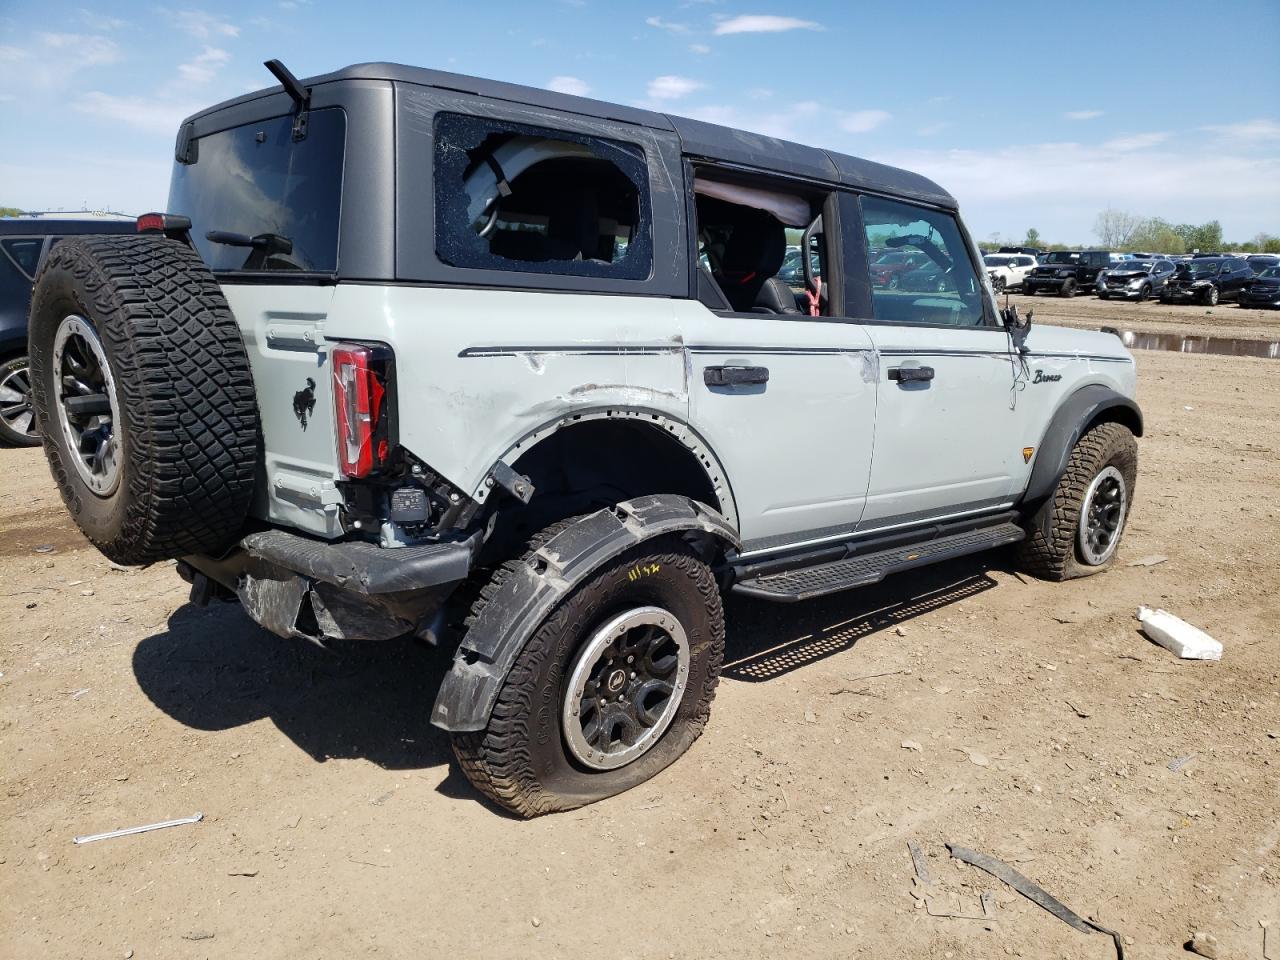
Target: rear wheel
[1076,531]
[612,688]
[17,418]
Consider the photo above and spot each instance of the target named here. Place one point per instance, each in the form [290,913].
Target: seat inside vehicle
[742,237]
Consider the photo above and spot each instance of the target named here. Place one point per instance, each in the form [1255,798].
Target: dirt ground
[966,704]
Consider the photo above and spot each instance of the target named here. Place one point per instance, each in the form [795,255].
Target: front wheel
[612,688]
[17,418]
[998,284]
[1144,291]
[1068,289]
[894,282]
[1210,296]
[1076,531]
[1104,296]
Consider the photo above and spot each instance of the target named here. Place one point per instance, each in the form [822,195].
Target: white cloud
[1248,130]
[84,49]
[1060,187]
[201,25]
[668,25]
[1083,114]
[573,85]
[98,22]
[671,87]
[752,23]
[205,66]
[699,48]
[143,113]
[933,129]
[1135,141]
[864,120]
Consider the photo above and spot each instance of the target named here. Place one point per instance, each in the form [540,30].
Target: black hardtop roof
[42,226]
[699,139]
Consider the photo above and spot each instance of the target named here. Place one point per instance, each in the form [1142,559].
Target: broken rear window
[515,197]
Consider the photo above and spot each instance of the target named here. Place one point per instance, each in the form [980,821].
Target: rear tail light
[170,224]
[363,398]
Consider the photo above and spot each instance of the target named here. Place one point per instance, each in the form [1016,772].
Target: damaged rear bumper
[298,587]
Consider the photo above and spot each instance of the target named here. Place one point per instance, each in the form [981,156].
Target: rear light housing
[170,224]
[364,407]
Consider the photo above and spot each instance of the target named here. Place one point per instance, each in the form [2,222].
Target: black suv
[1136,279]
[1067,272]
[23,242]
[1207,280]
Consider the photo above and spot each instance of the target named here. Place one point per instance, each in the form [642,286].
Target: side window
[24,252]
[516,197]
[751,243]
[919,266]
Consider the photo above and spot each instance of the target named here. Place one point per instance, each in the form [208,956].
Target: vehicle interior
[749,248]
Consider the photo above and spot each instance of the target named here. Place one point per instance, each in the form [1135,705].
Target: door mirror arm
[1017,327]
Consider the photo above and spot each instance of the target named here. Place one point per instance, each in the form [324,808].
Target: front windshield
[993,261]
[1134,265]
[1199,268]
[1061,256]
[1271,272]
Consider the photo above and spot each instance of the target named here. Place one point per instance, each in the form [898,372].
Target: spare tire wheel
[144,397]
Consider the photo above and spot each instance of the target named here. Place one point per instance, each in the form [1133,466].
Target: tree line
[1120,230]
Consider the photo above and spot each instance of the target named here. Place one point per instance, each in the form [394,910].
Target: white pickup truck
[515,373]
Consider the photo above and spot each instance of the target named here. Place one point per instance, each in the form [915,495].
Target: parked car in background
[887,271]
[23,242]
[1135,279]
[1008,270]
[1259,262]
[1208,280]
[1068,272]
[1263,291]
[930,278]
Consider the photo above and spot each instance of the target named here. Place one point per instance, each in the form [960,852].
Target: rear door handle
[908,374]
[729,376]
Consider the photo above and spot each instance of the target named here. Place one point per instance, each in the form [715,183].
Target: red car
[888,270]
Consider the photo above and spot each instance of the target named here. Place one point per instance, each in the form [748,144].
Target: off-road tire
[1068,289]
[519,760]
[8,435]
[1050,550]
[188,418]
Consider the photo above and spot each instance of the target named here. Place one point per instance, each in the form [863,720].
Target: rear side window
[23,253]
[522,198]
[919,266]
[272,202]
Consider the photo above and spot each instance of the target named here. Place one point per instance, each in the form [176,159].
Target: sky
[1031,114]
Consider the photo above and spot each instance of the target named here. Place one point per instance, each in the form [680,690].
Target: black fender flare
[470,689]
[1077,413]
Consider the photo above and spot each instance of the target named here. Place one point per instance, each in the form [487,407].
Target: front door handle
[731,376]
[908,374]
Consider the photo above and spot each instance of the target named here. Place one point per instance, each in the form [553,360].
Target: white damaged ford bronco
[523,375]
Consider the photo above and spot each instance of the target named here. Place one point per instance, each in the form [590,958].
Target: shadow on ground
[214,669]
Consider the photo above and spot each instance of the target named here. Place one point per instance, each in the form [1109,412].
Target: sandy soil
[1224,320]
[966,704]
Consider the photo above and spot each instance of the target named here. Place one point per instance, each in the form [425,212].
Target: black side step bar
[861,571]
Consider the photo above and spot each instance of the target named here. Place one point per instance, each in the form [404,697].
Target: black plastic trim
[365,567]
[1068,424]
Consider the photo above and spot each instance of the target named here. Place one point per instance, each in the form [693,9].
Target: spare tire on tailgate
[144,397]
